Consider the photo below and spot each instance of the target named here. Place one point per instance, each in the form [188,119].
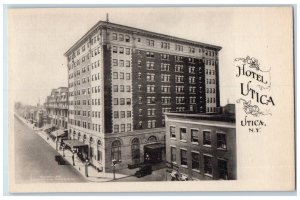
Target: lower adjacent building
[201,146]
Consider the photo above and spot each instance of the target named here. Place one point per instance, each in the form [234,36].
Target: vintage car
[60,160]
[143,171]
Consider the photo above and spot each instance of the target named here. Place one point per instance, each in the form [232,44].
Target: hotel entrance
[154,153]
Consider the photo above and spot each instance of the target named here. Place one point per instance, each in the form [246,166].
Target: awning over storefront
[155,146]
[74,143]
[48,126]
[59,133]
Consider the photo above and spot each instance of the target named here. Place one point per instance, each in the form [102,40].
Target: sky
[38,39]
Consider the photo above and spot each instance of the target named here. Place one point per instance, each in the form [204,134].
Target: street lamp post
[114,163]
[73,152]
[86,168]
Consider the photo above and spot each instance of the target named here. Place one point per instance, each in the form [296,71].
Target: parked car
[60,160]
[143,171]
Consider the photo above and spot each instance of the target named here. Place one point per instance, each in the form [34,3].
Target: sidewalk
[93,174]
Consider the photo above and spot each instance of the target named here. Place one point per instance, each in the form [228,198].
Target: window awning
[74,143]
[59,133]
[155,146]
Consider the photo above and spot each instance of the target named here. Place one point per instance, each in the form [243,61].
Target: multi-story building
[121,82]
[57,107]
[201,146]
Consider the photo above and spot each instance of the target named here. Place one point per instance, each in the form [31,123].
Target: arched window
[74,134]
[116,150]
[84,138]
[152,139]
[135,151]
[78,136]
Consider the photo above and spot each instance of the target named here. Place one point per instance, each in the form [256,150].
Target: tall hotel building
[122,80]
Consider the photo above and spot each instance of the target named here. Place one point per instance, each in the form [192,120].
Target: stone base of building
[127,150]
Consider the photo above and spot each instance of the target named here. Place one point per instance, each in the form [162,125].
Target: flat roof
[104,24]
[205,116]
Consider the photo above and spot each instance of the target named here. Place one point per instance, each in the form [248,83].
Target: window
[116,128]
[206,138]
[195,161]
[128,101]
[150,88]
[151,124]
[165,67]
[150,65]
[183,134]
[192,89]
[127,63]
[115,88]
[165,45]
[172,132]
[222,167]
[127,38]
[178,68]
[121,37]
[128,114]
[165,89]
[140,111]
[178,47]
[122,127]
[135,150]
[127,76]
[150,42]
[165,56]
[207,164]
[173,154]
[121,50]
[165,78]
[115,36]
[149,54]
[192,79]
[116,150]
[221,141]
[150,77]
[128,127]
[183,157]
[121,88]
[115,101]
[116,114]
[194,136]
[115,75]
[121,63]
[178,58]
[192,50]
[115,49]
[166,100]
[122,101]
[151,100]
[151,112]
[121,75]
[128,88]
[140,100]
[122,114]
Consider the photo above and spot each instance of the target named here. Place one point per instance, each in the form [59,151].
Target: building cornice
[132,30]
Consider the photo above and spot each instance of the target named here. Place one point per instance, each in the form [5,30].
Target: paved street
[35,159]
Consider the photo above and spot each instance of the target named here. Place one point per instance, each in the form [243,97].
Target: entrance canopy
[59,133]
[155,146]
[74,143]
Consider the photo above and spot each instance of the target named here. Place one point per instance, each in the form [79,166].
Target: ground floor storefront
[125,150]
